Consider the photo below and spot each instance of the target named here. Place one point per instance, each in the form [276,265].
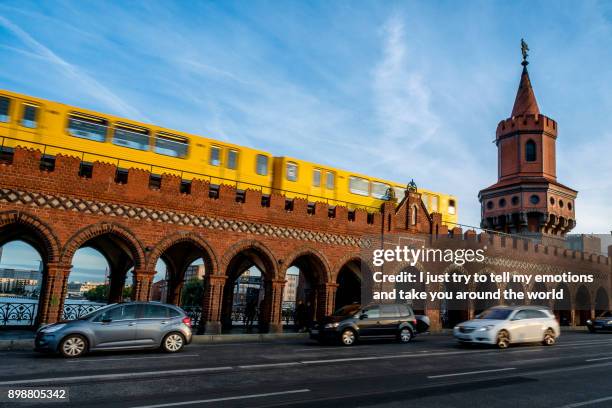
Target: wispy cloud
[402,99]
[89,84]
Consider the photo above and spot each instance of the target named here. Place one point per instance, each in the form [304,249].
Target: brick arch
[210,257]
[40,230]
[270,261]
[309,251]
[342,262]
[92,231]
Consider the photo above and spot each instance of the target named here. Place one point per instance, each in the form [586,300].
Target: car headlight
[485,328]
[332,325]
[609,322]
[589,321]
[53,328]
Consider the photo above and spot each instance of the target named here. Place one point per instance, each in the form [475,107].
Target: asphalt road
[431,371]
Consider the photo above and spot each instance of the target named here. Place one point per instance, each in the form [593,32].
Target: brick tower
[527,199]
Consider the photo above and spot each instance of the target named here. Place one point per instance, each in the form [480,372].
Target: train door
[317,189]
[29,120]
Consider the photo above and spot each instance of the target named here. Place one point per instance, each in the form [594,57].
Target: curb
[21,344]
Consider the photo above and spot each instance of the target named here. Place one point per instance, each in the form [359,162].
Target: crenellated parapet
[531,123]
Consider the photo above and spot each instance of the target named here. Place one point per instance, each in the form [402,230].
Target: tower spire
[525,102]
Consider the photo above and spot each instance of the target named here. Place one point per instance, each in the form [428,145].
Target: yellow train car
[57,128]
[316,182]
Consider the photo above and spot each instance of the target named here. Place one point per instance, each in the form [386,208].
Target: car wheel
[73,345]
[549,337]
[348,337]
[173,342]
[405,335]
[503,339]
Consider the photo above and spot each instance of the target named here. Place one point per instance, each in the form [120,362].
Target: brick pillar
[211,304]
[143,281]
[272,310]
[327,299]
[53,293]
[435,325]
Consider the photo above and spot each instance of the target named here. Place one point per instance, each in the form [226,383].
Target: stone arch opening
[304,289]
[539,287]
[21,276]
[454,310]
[248,302]
[33,247]
[480,305]
[123,253]
[583,305]
[602,301]
[563,307]
[517,290]
[349,280]
[182,262]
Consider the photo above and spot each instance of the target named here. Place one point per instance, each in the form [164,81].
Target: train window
[29,116]
[292,171]
[434,204]
[330,180]
[5,104]
[171,145]
[131,136]
[261,165]
[232,159]
[358,185]
[215,156]
[316,178]
[87,127]
[451,207]
[379,190]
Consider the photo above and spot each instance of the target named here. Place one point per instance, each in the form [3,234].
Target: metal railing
[154,169]
[17,314]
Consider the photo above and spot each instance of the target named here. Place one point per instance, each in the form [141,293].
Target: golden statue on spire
[524,51]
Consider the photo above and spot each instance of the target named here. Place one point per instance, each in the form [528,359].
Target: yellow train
[57,128]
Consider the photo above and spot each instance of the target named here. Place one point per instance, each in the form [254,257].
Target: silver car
[505,325]
[118,326]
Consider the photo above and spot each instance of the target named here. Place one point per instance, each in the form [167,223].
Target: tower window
[515,200]
[502,202]
[561,203]
[530,151]
[490,205]
[534,199]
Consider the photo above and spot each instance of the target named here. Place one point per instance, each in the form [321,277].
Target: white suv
[504,325]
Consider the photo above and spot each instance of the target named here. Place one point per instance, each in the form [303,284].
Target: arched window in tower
[530,151]
[413,217]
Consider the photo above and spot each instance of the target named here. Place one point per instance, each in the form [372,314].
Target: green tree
[193,291]
[97,294]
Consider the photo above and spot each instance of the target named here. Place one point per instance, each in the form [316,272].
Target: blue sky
[398,90]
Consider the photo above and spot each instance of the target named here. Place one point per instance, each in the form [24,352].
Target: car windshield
[606,314]
[347,310]
[90,314]
[495,314]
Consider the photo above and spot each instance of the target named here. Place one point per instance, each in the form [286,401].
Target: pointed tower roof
[525,102]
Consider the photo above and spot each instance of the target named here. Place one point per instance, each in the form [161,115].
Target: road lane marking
[431,377]
[290,363]
[582,404]
[118,376]
[205,401]
[598,359]
[101,360]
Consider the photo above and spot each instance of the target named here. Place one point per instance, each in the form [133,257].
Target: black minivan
[377,321]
